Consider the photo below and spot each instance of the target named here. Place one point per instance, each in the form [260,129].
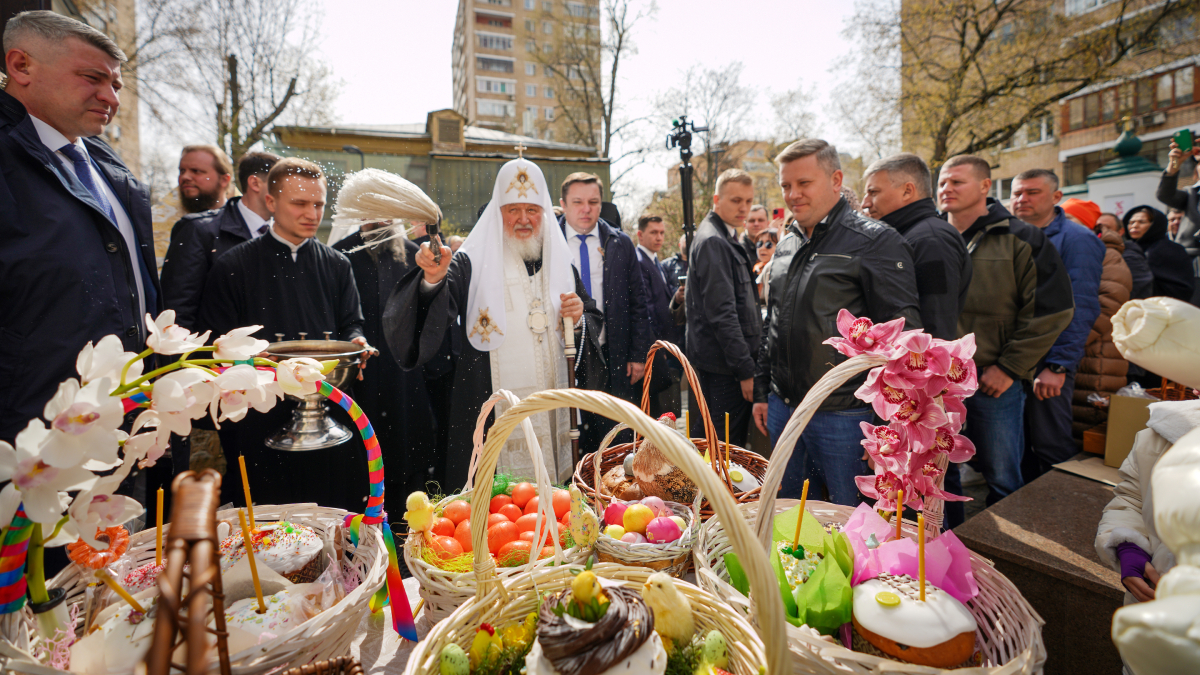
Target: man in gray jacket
[1185,200]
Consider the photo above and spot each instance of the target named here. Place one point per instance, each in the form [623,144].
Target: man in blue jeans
[1018,303]
[831,258]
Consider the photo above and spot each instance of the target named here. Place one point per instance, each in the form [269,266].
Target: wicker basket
[343,665]
[725,454]
[501,603]
[1010,631]
[322,637]
[445,591]
[674,558]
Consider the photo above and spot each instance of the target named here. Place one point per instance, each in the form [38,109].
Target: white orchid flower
[106,359]
[167,337]
[299,377]
[39,485]
[241,387]
[98,508]
[82,423]
[180,397]
[237,345]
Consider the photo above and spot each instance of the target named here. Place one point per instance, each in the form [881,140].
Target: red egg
[447,548]
[522,493]
[497,518]
[511,511]
[498,501]
[547,552]
[527,522]
[500,534]
[531,506]
[514,553]
[443,527]
[457,510]
[562,503]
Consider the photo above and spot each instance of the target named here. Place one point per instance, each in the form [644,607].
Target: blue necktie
[83,170]
[585,264]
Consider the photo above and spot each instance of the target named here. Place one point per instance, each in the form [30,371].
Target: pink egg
[633,538]
[662,530]
[615,513]
[658,506]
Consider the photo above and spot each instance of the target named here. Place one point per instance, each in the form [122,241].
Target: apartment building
[502,62]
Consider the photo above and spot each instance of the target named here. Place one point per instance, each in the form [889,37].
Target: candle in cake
[246,487]
[921,553]
[726,443]
[116,588]
[800,518]
[158,531]
[248,542]
[899,509]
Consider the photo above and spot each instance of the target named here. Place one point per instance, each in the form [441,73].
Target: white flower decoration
[241,387]
[98,507]
[299,377]
[83,423]
[180,397]
[237,345]
[39,485]
[167,337]
[106,359]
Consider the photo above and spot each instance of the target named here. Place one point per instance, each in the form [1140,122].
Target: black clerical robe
[395,400]
[417,327]
[257,282]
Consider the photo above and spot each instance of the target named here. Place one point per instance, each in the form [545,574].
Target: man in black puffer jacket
[833,258]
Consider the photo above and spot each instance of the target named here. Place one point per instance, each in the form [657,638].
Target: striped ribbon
[12,562]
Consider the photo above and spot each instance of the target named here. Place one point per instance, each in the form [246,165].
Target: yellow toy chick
[487,645]
[585,527]
[520,635]
[672,612]
[586,586]
[419,514]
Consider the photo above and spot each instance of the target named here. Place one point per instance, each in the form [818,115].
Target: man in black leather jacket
[833,258]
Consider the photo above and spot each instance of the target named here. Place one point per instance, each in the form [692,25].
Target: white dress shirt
[595,261]
[54,140]
[294,247]
[653,257]
[253,220]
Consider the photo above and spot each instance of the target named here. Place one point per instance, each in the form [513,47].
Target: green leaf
[785,589]
[826,598]
[811,532]
[737,575]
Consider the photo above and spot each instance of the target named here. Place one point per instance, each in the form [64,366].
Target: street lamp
[353,149]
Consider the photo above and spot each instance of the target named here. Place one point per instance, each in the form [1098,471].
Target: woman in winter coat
[1169,262]
[1102,369]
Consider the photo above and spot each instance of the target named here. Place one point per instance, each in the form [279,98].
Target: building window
[502,43]
[547,28]
[530,46]
[1145,95]
[1148,94]
[1183,86]
[531,90]
[530,4]
[547,71]
[1165,91]
[531,69]
[489,85]
[530,119]
[547,47]
[547,6]
[498,3]
[493,64]
[1003,188]
[528,25]
[549,134]
[1108,105]
[493,20]
[549,114]
[576,9]
[549,92]
[489,108]
[1084,6]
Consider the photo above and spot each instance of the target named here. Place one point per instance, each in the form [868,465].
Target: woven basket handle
[710,431]
[546,519]
[768,606]
[795,426]
[598,458]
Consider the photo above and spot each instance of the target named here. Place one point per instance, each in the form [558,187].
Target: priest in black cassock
[288,282]
[500,299]
[368,229]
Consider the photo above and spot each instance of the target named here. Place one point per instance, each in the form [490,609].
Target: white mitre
[519,182]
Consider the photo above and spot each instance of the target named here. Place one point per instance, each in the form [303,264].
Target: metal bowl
[347,353]
[311,428]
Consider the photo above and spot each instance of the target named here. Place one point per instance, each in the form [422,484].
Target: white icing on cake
[285,610]
[911,622]
[119,644]
[143,577]
[797,571]
[649,659]
[285,547]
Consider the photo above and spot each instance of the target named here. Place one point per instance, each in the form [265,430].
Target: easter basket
[587,479]
[673,557]
[501,602]
[1009,633]
[445,590]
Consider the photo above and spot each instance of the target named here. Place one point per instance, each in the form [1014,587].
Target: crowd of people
[751,297]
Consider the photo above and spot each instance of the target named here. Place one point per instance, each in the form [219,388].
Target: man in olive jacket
[1018,303]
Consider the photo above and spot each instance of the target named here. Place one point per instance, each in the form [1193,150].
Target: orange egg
[494,518]
[527,522]
[443,527]
[498,501]
[562,503]
[514,553]
[457,510]
[511,511]
[562,535]
[500,534]
[522,493]
[463,534]
[531,506]
[447,548]
[547,552]
[527,536]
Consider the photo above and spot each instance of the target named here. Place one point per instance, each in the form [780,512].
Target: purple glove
[1133,560]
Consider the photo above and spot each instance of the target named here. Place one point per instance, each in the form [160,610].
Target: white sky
[394,55]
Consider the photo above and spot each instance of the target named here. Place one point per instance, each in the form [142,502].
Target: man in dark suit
[198,239]
[664,380]
[76,248]
[608,267]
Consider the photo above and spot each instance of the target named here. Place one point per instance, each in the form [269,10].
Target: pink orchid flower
[921,417]
[862,336]
[883,397]
[887,446]
[922,362]
[925,482]
[883,488]
[958,447]
[961,377]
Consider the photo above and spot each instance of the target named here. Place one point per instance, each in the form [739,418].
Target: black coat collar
[908,215]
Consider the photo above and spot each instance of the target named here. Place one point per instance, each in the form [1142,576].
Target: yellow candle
[112,583]
[727,443]
[158,532]
[249,544]
[921,553]
[800,518]
[899,509]
[246,487]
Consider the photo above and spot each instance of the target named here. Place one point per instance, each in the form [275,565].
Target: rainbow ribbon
[393,592]
[12,562]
